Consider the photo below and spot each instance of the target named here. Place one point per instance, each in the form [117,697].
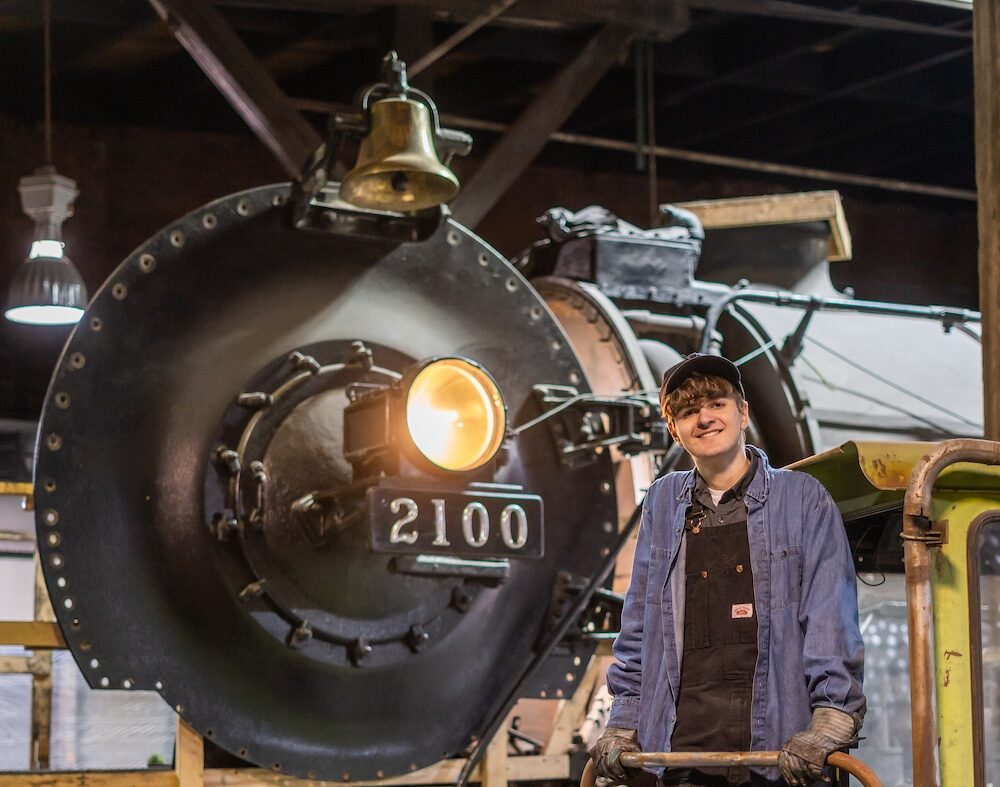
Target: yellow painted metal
[27,490]
[867,477]
[954,619]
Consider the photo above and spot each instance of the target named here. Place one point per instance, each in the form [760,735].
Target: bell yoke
[740,625]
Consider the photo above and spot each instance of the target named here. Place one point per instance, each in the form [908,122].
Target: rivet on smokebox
[417,638]
[359,651]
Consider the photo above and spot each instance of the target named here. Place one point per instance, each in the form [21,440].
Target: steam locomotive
[338,484]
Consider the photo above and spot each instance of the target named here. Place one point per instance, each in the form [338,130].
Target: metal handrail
[703,759]
[917,542]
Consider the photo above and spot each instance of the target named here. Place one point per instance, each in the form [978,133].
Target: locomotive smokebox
[328,613]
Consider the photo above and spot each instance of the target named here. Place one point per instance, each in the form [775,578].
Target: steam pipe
[946,314]
[644,322]
[916,557]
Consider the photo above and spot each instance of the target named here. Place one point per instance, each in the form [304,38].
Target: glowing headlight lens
[455,414]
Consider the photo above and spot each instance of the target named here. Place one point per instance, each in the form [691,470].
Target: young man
[740,626]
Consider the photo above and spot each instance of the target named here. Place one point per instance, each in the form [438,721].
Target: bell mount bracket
[319,192]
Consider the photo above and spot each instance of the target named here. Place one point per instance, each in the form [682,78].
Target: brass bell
[398,168]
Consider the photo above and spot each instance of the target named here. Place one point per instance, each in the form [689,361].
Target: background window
[886,747]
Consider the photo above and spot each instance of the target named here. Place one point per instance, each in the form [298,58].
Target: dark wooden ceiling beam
[825,97]
[635,11]
[859,132]
[27,14]
[552,47]
[323,43]
[435,53]
[895,144]
[779,9]
[657,19]
[511,155]
[760,72]
[412,35]
[136,47]
[905,160]
[746,71]
[245,83]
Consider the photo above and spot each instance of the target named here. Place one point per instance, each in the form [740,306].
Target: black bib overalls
[720,648]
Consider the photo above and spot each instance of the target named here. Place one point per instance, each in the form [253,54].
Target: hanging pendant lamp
[47,288]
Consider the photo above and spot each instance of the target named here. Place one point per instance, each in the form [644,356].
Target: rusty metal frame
[917,542]
[865,775]
[976,636]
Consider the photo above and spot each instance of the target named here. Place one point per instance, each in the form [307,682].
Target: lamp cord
[651,134]
[47,37]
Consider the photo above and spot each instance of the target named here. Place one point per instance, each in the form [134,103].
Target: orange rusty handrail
[917,542]
[689,759]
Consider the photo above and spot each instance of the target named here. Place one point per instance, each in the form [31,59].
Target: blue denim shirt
[809,646]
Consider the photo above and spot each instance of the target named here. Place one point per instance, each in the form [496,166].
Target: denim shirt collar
[759,486]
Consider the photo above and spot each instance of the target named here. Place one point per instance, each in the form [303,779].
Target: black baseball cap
[700,363]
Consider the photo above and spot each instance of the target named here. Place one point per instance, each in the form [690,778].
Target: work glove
[802,758]
[607,751]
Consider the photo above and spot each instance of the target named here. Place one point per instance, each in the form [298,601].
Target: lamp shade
[46,291]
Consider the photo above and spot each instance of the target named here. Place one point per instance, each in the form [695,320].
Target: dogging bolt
[225,525]
[300,635]
[362,355]
[255,400]
[358,651]
[253,590]
[417,638]
[300,361]
[229,459]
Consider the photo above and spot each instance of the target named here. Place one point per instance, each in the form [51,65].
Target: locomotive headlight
[445,414]
[455,414]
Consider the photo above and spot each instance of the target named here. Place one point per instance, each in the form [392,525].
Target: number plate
[473,522]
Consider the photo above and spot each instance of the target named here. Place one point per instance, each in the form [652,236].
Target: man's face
[710,427]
